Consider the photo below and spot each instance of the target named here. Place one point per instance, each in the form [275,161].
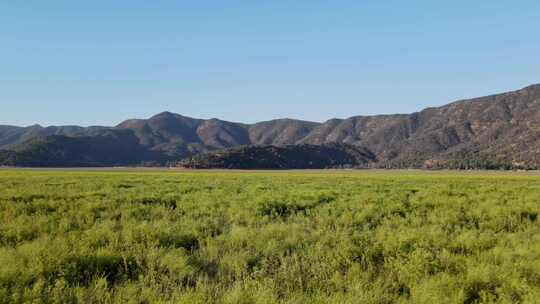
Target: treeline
[284,157]
[462,160]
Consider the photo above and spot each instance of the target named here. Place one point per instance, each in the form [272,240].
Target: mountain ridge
[499,129]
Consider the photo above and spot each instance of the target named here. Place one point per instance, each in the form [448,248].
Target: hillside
[11,135]
[283,157]
[498,131]
[503,128]
[108,148]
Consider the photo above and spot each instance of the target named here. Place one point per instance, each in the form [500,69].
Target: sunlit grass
[269,237]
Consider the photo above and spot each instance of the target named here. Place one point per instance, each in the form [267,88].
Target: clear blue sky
[102,61]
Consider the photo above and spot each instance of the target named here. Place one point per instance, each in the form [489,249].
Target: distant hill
[301,156]
[11,135]
[498,131]
[180,136]
[107,148]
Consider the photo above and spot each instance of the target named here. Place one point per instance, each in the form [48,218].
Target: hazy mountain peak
[165,114]
[532,87]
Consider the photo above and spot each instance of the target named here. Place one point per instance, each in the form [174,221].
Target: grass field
[269,237]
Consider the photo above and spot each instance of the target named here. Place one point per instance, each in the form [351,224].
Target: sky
[100,62]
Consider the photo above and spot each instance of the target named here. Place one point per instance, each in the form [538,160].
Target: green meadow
[91,236]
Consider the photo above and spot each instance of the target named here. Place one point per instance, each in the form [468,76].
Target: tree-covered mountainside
[301,156]
[498,131]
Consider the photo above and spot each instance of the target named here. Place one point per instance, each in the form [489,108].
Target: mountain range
[497,131]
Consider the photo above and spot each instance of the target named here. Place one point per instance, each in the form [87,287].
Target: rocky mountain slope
[498,131]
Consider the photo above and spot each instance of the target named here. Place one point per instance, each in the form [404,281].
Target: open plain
[180,236]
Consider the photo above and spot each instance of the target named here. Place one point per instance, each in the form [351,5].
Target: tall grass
[105,237]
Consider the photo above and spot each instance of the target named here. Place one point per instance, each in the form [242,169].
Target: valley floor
[115,235]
